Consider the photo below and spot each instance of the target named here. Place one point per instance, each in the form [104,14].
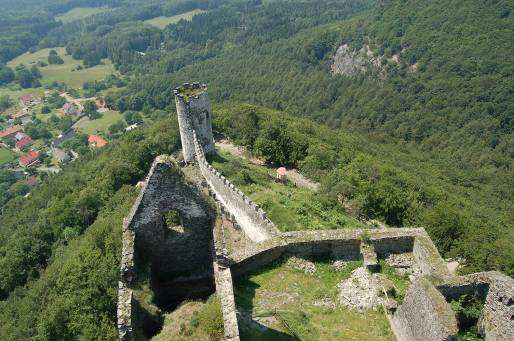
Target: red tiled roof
[29,158]
[19,114]
[26,98]
[97,141]
[10,131]
[24,142]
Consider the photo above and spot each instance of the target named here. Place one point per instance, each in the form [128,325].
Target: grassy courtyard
[287,303]
[290,208]
[162,22]
[63,72]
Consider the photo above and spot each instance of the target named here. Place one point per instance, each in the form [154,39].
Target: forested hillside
[420,134]
[60,249]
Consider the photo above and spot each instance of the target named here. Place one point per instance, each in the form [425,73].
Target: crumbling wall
[251,218]
[225,291]
[496,320]
[424,314]
[186,129]
[428,258]
[125,296]
[335,244]
[194,116]
[176,260]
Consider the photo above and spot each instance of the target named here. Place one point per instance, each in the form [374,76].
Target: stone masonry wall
[424,315]
[251,218]
[125,314]
[194,116]
[496,320]
[336,244]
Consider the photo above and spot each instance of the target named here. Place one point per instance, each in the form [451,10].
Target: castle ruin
[194,117]
[216,233]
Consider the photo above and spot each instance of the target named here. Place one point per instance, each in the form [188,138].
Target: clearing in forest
[162,22]
[67,72]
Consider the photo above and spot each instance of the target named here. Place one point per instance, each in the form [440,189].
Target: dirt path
[292,174]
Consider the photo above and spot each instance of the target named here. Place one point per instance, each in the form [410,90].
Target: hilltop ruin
[179,234]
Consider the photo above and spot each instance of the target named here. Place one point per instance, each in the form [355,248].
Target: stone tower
[194,114]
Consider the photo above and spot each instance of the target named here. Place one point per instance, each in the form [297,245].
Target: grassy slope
[5,155]
[290,208]
[99,125]
[162,22]
[14,92]
[291,294]
[63,72]
[79,13]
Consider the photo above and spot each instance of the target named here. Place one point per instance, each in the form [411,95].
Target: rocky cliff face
[350,62]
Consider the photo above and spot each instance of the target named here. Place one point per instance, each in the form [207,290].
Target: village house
[24,142]
[11,131]
[29,159]
[19,136]
[29,100]
[23,115]
[71,109]
[97,141]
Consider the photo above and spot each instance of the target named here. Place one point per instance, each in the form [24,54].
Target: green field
[79,13]
[99,125]
[16,91]
[162,22]
[288,301]
[290,208]
[5,156]
[63,72]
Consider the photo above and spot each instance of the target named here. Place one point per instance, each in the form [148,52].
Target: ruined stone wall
[176,260]
[496,320]
[428,258]
[125,296]
[424,315]
[200,113]
[335,244]
[250,217]
[194,115]
[186,129]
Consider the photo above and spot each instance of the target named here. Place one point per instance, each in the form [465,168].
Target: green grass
[99,125]
[63,72]
[15,91]
[162,22]
[401,283]
[290,208]
[285,298]
[79,13]
[6,156]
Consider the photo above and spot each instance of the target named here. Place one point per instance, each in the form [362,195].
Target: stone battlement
[250,217]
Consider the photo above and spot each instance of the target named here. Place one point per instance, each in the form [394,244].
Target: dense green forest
[64,242]
[425,138]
